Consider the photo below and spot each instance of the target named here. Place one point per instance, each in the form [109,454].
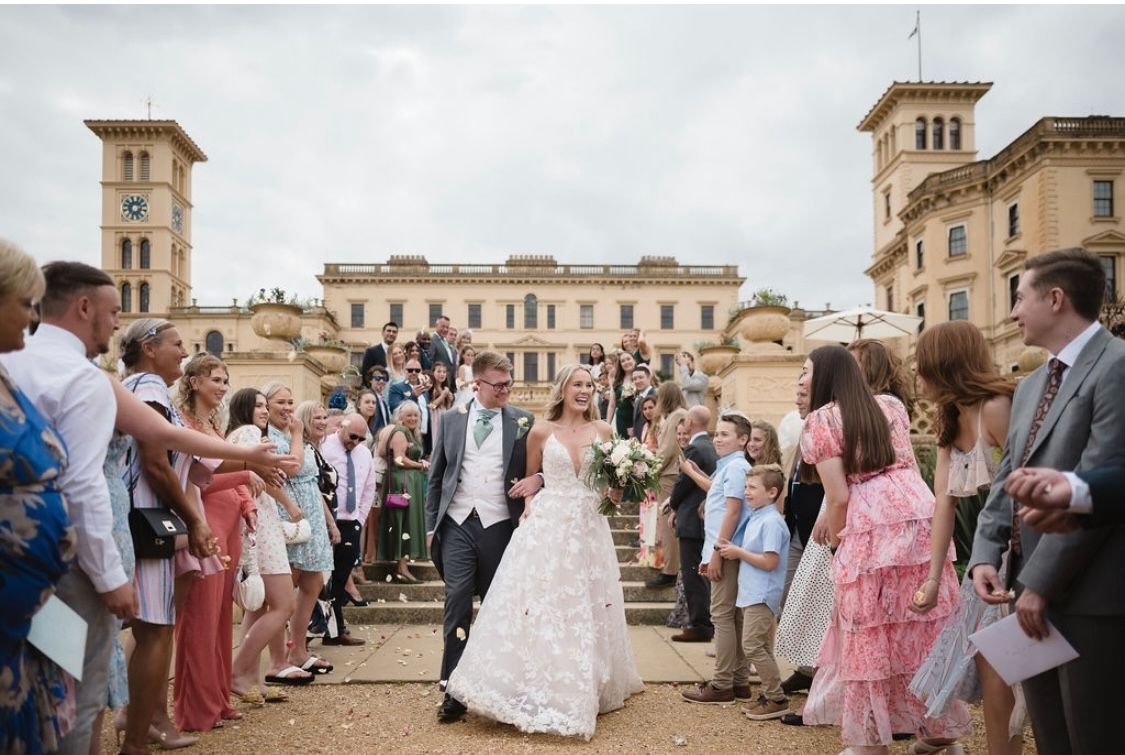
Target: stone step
[626,537]
[426,571]
[427,592]
[422,612]
[624,522]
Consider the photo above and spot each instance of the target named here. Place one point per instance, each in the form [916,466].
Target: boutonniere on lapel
[522,426]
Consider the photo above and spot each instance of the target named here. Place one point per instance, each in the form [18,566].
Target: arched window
[939,134]
[530,312]
[144,166]
[146,254]
[126,298]
[126,254]
[920,133]
[214,343]
[143,304]
[127,166]
[955,133]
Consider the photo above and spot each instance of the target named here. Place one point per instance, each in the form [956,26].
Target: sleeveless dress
[316,553]
[550,650]
[875,643]
[265,549]
[114,471]
[949,673]
[402,532]
[36,546]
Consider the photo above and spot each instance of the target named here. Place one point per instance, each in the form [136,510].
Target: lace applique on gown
[549,650]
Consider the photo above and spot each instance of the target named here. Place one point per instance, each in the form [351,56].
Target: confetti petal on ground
[402,598]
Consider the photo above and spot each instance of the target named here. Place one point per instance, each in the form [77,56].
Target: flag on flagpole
[917,21]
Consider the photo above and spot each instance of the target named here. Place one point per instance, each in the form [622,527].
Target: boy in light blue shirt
[761,581]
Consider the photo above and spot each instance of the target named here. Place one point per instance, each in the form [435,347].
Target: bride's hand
[525,487]
[526,513]
[614,494]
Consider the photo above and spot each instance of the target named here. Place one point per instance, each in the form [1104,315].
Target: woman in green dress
[402,533]
[624,392]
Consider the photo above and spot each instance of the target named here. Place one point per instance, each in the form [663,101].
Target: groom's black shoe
[451,710]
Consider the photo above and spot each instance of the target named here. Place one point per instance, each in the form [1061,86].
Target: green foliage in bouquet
[626,465]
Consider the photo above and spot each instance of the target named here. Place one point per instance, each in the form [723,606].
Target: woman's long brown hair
[954,360]
[883,371]
[867,433]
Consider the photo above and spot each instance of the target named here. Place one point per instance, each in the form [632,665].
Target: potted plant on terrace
[763,319]
[329,351]
[275,315]
[713,356]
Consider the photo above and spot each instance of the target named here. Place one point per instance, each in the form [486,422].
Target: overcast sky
[596,134]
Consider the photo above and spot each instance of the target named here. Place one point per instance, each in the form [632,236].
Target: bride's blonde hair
[554,407]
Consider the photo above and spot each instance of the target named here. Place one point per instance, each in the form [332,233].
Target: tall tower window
[214,343]
[143,305]
[955,133]
[146,254]
[920,133]
[127,166]
[126,254]
[126,298]
[530,312]
[145,166]
[939,133]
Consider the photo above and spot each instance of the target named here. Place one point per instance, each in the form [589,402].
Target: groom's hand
[525,487]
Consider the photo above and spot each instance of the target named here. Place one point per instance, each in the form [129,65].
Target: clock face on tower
[177,218]
[134,208]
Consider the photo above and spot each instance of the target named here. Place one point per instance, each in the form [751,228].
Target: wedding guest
[265,550]
[595,359]
[670,410]
[402,535]
[1055,501]
[465,355]
[380,354]
[761,580]
[878,516]
[201,693]
[685,501]
[683,435]
[438,399]
[309,559]
[693,382]
[643,385]
[648,529]
[725,516]
[763,446]
[624,393]
[633,342]
[79,310]
[883,371]
[37,705]
[382,416]
[1067,414]
[152,350]
[423,341]
[954,369]
[355,492]
[396,369]
[606,405]
[413,387]
[441,349]
[367,406]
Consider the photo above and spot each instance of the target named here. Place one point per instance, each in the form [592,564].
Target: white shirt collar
[54,334]
[1069,353]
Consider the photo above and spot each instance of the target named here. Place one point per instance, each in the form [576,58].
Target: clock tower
[146,212]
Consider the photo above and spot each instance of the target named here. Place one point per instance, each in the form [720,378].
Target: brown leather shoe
[691,635]
[742,693]
[706,694]
[344,639]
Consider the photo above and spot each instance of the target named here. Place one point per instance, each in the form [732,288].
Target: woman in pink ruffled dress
[879,514]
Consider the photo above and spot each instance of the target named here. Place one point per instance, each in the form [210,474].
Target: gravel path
[401,718]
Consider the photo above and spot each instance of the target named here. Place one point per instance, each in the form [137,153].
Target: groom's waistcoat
[481,485]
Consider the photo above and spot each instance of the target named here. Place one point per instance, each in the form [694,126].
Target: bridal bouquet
[624,464]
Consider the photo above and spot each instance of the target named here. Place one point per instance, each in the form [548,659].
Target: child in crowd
[761,581]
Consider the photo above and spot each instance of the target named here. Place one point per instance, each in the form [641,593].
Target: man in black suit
[380,353]
[378,384]
[642,381]
[1063,501]
[685,501]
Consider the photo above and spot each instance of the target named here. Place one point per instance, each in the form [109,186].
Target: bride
[549,650]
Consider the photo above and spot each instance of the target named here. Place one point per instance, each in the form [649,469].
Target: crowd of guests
[821,543]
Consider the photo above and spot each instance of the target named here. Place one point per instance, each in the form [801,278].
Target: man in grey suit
[441,350]
[1068,414]
[469,516]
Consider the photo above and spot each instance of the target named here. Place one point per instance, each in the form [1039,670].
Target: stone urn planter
[1030,359]
[714,358]
[762,324]
[273,320]
[334,358]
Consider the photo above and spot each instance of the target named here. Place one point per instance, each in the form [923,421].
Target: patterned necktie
[1054,379]
[349,505]
[483,426]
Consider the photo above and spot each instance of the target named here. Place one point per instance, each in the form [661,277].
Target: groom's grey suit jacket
[445,466]
[1080,573]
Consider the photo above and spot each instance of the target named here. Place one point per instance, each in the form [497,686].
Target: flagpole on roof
[918,33]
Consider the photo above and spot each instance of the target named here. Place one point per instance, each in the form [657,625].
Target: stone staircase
[396,603]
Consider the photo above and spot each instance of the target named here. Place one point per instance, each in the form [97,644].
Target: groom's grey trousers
[470,555]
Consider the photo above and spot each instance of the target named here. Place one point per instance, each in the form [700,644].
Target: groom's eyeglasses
[498,387]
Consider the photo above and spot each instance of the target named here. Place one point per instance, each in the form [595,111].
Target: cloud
[718,134]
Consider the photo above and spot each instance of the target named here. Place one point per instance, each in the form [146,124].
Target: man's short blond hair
[490,360]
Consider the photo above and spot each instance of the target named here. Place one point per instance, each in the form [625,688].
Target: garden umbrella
[861,322]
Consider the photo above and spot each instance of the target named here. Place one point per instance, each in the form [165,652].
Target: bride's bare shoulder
[605,430]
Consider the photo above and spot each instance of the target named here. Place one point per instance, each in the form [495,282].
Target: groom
[469,516]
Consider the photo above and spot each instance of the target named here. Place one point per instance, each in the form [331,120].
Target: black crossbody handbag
[153,530]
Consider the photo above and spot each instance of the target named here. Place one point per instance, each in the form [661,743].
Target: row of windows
[937,130]
[474,319]
[127,254]
[127,298]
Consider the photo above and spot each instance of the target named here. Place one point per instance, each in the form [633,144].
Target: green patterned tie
[483,426]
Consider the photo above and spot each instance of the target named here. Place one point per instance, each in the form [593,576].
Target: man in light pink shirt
[355,493]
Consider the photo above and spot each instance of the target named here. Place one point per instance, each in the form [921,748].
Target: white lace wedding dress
[549,650]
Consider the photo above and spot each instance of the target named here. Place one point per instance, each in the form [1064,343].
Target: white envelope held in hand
[60,634]
[1015,656]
